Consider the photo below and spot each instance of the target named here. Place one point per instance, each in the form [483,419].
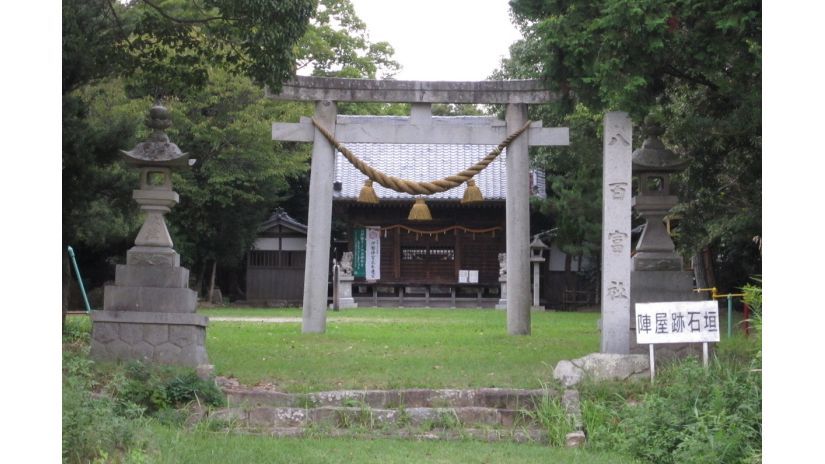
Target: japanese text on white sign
[677,322]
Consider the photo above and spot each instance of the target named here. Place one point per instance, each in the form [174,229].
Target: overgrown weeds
[107,408]
[699,415]
[551,415]
[691,414]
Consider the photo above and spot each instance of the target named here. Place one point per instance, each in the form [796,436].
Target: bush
[156,388]
[77,331]
[93,430]
[105,405]
[698,416]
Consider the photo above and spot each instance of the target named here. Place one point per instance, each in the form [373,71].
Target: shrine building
[450,260]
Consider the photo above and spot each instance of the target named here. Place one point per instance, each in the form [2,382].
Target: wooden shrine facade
[421,263]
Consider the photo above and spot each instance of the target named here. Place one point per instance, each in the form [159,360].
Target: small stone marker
[677,322]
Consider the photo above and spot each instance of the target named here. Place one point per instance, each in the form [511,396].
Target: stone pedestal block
[151,276]
[502,302]
[164,338]
[149,299]
[152,256]
[345,299]
[658,286]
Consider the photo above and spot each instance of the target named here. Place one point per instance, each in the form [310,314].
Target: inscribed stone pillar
[518,225]
[319,223]
[616,196]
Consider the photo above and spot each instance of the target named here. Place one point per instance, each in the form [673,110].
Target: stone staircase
[489,414]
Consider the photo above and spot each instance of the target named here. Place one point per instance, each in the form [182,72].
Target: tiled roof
[280,217]
[426,162]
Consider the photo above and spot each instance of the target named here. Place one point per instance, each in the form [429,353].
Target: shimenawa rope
[420,188]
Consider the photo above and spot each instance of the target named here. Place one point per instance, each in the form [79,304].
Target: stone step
[521,435]
[500,398]
[268,417]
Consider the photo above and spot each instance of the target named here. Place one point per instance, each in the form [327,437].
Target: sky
[446,40]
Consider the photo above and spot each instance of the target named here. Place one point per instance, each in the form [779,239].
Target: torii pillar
[421,127]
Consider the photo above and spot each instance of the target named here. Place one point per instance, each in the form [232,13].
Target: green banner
[359,255]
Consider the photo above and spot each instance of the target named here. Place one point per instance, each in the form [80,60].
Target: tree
[336,45]
[220,116]
[240,175]
[693,64]
[163,47]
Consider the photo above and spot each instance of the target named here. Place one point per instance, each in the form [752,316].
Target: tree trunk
[708,263]
[212,280]
[201,276]
[67,281]
[568,266]
[699,272]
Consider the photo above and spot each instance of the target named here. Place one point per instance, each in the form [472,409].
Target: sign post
[677,322]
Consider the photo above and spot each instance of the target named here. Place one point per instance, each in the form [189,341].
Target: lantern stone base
[149,314]
[658,286]
[162,338]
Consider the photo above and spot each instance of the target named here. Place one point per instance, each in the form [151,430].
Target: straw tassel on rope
[367,194]
[420,211]
[472,194]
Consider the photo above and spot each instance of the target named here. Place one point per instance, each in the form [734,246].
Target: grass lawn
[396,348]
[177,446]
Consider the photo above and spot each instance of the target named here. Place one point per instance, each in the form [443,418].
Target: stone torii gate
[420,127]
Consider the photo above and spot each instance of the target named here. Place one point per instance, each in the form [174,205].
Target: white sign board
[468,276]
[677,322]
[373,254]
[472,276]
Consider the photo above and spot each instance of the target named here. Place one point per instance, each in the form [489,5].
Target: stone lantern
[149,313]
[657,274]
[537,248]
[654,164]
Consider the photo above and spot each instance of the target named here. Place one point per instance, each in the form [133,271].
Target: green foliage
[241,174]
[336,45]
[77,331]
[696,65]
[167,46]
[753,298]
[551,414]
[574,174]
[157,389]
[446,419]
[93,428]
[698,416]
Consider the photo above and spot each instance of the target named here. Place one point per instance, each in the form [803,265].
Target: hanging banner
[359,253]
[372,266]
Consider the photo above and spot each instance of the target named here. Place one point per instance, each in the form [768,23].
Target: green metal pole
[730,314]
[79,280]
